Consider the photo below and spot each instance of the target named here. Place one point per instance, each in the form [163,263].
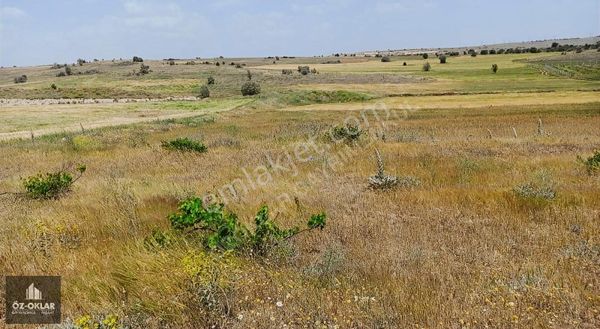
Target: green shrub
[592,163]
[223,231]
[53,86]
[494,68]
[425,56]
[210,80]
[484,52]
[442,59]
[347,133]
[386,59]
[427,67]
[204,92]
[250,88]
[184,145]
[287,72]
[50,185]
[137,59]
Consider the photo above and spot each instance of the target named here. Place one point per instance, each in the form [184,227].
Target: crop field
[454,198]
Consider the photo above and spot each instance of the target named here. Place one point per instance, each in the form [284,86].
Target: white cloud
[11,12]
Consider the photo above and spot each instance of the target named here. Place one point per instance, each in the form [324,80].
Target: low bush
[287,72]
[184,145]
[210,80]
[223,231]
[51,185]
[347,133]
[382,181]
[484,52]
[21,79]
[427,67]
[250,88]
[137,59]
[53,86]
[540,188]
[494,68]
[425,56]
[204,92]
[144,69]
[442,59]
[386,59]
[304,70]
[592,164]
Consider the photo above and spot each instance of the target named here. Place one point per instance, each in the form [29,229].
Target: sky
[44,32]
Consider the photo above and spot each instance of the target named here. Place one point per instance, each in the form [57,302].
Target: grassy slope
[460,250]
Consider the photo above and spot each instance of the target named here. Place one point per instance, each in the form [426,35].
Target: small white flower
[279,304]
[240,317]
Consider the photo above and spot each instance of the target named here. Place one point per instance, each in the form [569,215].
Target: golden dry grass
[461,250]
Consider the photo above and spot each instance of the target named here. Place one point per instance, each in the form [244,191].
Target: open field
[464,247]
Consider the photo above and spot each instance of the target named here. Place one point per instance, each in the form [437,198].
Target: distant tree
[404,64]
[426,67]
[494,68]
[53,86]
[493,52]
[484,52]
[555,45]
[473,54]
[80,62]
[425,56]
[442,59]
[386,59]
[137,59]
[68,70]
[249,75]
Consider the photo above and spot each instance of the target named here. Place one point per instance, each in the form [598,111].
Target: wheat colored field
[464,247]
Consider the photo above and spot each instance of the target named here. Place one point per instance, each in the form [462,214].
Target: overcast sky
[43,32]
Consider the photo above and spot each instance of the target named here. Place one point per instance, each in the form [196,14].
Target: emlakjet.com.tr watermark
[32,300]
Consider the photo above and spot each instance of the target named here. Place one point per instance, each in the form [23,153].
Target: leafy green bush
[250,88]
[386,59]
[442,59]
[50,185]
[184,145]
[137,59]
[287,72]
[494,68]
[204,92]
[53,86]
[223,231]
[592,163]
[425,56]
[210,80]
[427,67]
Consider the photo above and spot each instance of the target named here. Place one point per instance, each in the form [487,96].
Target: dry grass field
[467,245]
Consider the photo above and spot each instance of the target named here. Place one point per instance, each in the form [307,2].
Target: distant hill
[524,44]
